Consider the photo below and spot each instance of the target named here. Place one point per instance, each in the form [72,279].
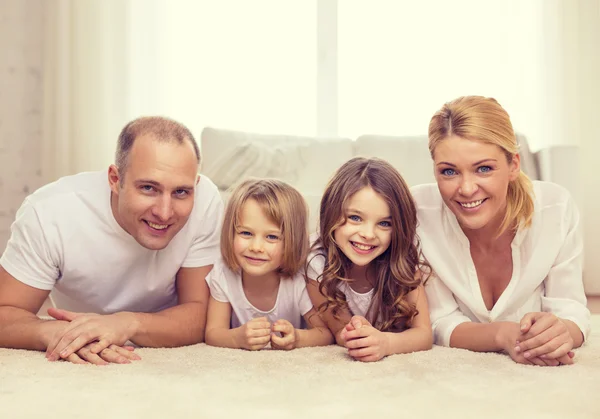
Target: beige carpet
[201,381]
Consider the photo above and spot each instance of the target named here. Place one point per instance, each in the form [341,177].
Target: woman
[506,252]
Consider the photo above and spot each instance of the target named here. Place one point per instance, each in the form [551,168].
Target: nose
[256,245]
[468,186]
[163,210]
[367,231]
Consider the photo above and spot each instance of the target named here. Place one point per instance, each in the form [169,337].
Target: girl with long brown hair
[365,272]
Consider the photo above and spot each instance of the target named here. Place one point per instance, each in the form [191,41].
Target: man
[134,250]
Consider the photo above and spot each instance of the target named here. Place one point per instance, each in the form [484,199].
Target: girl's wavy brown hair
[399,270]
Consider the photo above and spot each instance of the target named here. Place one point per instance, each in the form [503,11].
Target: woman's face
[473,179]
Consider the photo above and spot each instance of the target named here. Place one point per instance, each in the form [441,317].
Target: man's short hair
[161,128]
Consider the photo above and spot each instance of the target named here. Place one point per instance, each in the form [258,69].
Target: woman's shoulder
[548,194]
[426,196]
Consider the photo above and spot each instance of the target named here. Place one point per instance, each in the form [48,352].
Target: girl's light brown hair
[482,119]
[281,204]
[395,270]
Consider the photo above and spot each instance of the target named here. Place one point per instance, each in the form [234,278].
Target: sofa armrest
[560,164]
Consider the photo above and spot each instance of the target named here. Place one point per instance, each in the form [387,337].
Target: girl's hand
[255,334]
[288,337]
[364,342]
[546,336]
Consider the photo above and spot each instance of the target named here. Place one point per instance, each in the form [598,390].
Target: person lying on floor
[506,252]
[365,274]
[258,291]
[129,248]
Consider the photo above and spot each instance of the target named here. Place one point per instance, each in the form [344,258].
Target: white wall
[21,36]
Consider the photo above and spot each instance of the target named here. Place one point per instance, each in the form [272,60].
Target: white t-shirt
[358,303]
[66,239]
[547,259]
[292,301]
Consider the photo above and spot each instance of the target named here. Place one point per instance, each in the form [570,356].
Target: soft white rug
[202,381]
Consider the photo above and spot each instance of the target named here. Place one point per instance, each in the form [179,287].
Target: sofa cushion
[305,162]
[409,155]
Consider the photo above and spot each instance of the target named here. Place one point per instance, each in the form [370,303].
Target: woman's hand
[545,336]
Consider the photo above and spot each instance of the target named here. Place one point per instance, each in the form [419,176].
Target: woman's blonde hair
[396,269]
[482,119]
[284,206]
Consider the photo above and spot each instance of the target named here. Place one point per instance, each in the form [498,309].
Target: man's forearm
[181,325]
[20,329]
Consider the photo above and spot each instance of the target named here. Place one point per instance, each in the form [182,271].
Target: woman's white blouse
[547,264]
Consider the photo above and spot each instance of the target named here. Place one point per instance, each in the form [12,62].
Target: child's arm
[317,333]
[365,343]
[336,326]
[253,335]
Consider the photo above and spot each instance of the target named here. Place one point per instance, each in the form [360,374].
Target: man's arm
[181,325]
[20,328]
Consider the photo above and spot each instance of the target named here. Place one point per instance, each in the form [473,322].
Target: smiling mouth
[255,261]
[472,204]
[157,226]
[363,247]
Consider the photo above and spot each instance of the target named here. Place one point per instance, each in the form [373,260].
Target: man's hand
[364,342]
[287,341]
[255,334]
[113,354]
[83,329]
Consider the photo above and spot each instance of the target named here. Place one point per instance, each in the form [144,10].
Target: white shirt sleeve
[217,283]
[316,265]
[443,309]
[564,293]
[205,247]
[28,256]
[301,294]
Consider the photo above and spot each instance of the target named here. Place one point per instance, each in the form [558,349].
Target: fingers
[286,342]
[71,342]
[284,327]
[60,314]
[566,359]
[257,343]
[75,359]
[359,343]
[359,321]
[86,354]
[527,321]
[541,322]
[357,334]
[99,346]
[117,355]
[362,352]
[562,351]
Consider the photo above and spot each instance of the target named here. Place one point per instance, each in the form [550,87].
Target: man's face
[153,199]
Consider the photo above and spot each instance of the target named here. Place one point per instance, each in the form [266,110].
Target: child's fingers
[282,341]
[260,340]
[357,333]
[285,328]
[258,325]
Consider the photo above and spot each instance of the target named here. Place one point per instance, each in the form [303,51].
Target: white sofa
[307,163]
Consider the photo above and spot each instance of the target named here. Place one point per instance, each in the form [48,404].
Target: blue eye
[181,193]
[245,233]
[385,224]
[354,218]
[484,169]
[448,172]
[147,188]
[272,237]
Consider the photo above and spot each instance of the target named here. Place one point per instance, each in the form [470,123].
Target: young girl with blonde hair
[365,272]
[506,252]
[258,291]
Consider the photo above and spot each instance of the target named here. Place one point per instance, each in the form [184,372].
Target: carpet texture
[204,382]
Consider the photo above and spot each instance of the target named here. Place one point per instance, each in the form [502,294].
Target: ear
[515,167]
[114,178]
